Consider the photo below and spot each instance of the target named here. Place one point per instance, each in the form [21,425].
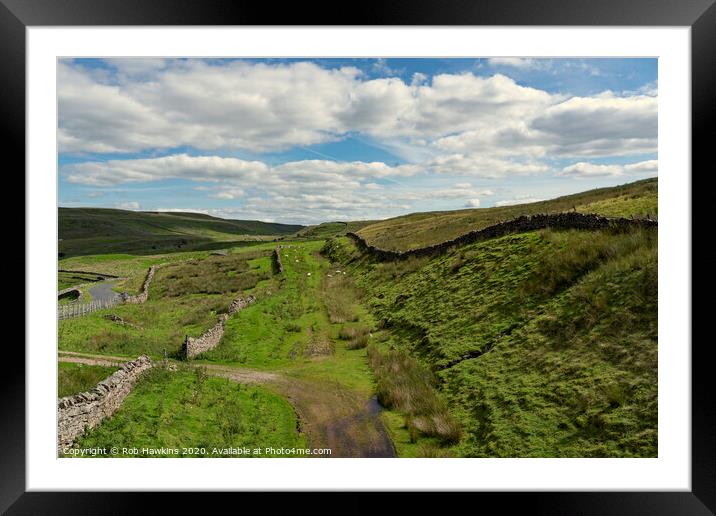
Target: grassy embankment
[87,231]
[542,344]
[186,408]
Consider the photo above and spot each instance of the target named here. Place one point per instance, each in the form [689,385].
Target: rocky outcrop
[571,220]
[191,346]
[77,413]
[144,294]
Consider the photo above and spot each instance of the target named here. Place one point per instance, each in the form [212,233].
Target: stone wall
[191,346]
[277,260]
[144,294]
[98,274]
[87,409]
[570,220]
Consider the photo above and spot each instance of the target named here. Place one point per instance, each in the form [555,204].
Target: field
[85,231]
[535,344]
[176,307]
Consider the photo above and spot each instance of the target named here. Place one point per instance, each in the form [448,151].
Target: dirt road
[329,415]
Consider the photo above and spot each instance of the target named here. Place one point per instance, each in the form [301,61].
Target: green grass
[187,409]
[407,386]
[543,343]
[74,378]
[185,298]
[85,231]
[330,229]
[416,230]
[212,275]
[532,344]
[289,328]
[70,279]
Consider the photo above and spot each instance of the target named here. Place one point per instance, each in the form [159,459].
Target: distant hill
[99,230]
[637,199]
[331,229]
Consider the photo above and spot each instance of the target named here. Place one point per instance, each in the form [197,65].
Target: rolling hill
[541,343]
[331,229]
[98,230]
[638,199]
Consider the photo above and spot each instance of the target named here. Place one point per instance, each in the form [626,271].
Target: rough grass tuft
[403,384]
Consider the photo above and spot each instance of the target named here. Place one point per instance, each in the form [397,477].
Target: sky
[313,140]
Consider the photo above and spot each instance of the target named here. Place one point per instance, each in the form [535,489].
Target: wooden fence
[78,309]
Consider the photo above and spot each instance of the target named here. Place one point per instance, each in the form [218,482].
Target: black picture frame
[700,15]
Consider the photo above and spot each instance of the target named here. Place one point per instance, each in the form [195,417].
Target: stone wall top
[568,220]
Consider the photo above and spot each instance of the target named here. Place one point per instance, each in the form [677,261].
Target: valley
[536,343]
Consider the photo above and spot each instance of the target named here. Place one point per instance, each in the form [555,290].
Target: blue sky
[311,140]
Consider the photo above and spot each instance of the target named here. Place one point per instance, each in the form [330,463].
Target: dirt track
[329,415]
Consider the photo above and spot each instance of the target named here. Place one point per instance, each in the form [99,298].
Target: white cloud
[160,104]
[260,107]
[519,200]
[300,191]
[603,125]
[229,193]
[517,62]
[599,126]
[586,169]
[479,165]
[130,205]
[182,166]
[450,128]
[472,203]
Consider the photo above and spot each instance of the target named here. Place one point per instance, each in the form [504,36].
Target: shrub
[405,385]
[340,297]
[359,342]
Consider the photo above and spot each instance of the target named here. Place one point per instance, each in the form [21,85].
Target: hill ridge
[523,223]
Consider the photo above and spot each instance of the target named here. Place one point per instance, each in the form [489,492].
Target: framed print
[449,249]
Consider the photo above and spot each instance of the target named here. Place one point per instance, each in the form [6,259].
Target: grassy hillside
[331,229]
[543,344]
[638,199]
[85,231]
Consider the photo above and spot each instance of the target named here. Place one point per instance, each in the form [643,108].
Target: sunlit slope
[97,230]
[638,199]
[331,229]
[543,343]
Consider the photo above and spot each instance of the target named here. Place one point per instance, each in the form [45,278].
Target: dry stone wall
[191,346]
[89,273]
[87,409]
[144,294]
[277,259]
[570,220]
